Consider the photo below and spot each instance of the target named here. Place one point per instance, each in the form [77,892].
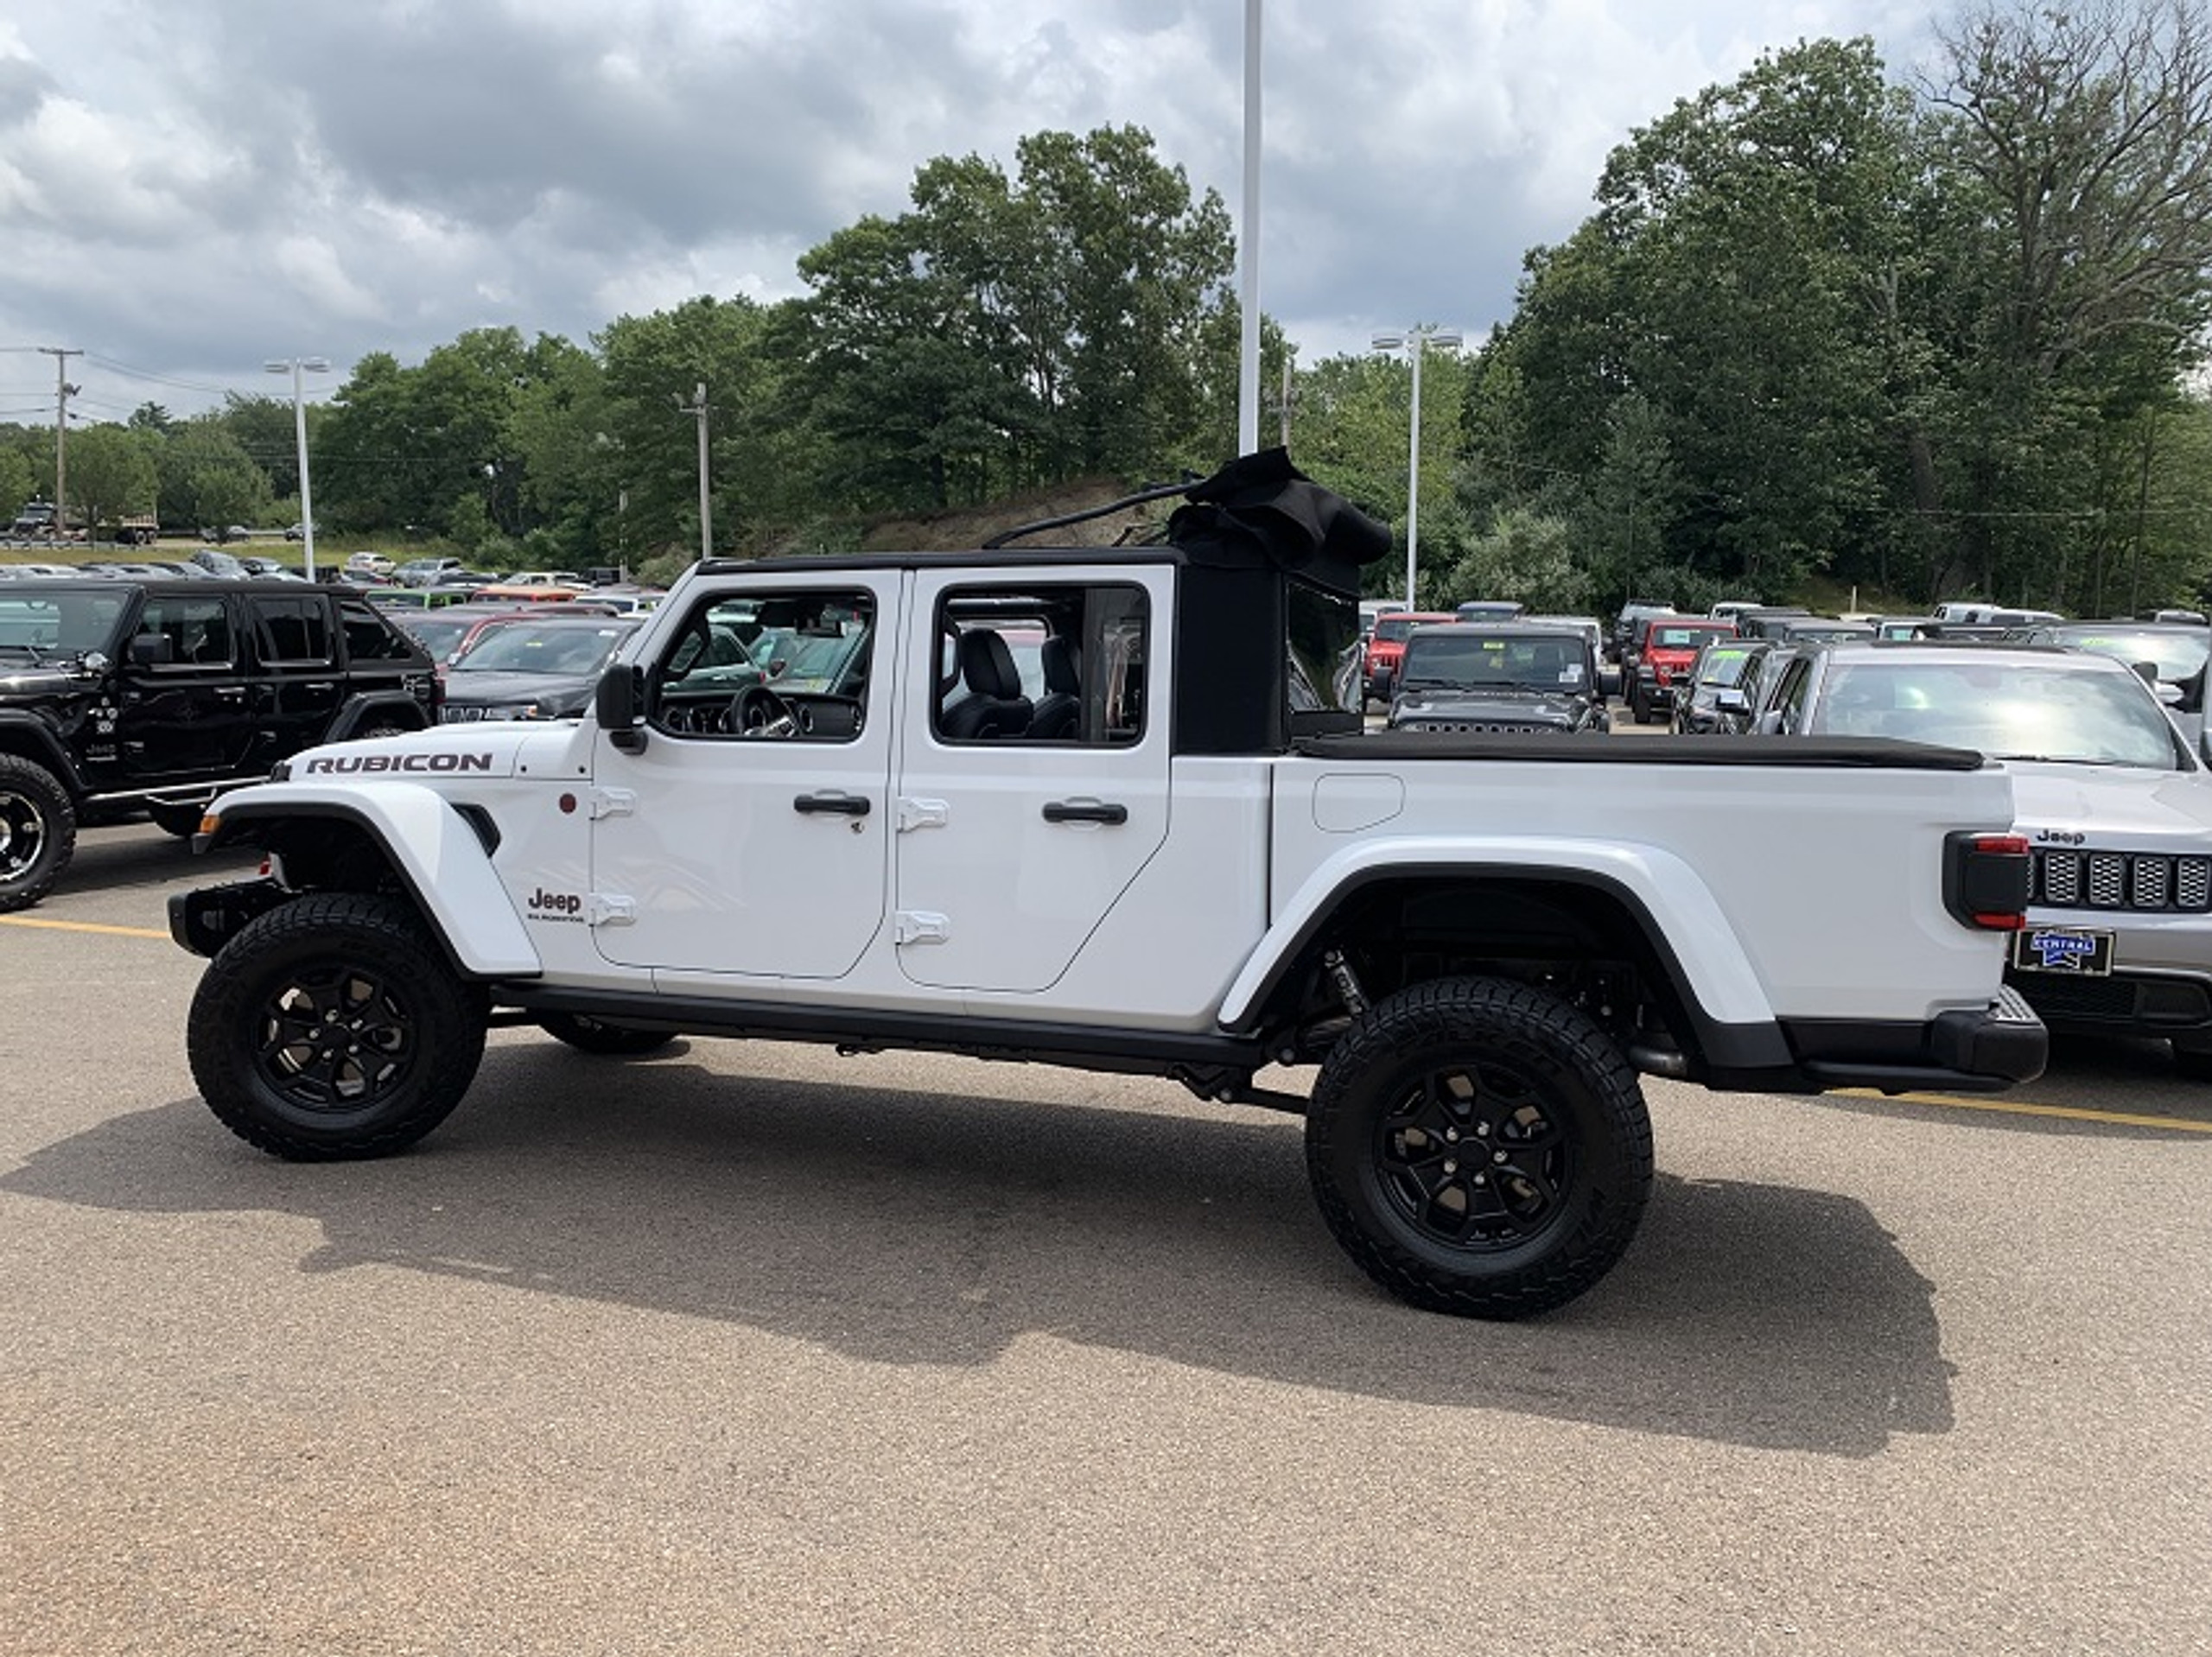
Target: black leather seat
[1060,709]
[995,705]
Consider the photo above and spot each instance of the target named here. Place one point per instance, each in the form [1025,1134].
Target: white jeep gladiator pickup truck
[1115,809]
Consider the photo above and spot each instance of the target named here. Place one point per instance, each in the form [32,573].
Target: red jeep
[1665,650]
[1386,648]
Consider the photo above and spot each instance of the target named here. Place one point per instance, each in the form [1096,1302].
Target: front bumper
[2127,1002]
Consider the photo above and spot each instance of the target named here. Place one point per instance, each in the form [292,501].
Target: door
[1019,826]
[296,688]
[187,717]
[749,836]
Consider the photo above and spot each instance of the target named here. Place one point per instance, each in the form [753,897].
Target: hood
[25,679]
[1492,704]
[2112,806]
[489,688]
[452,749]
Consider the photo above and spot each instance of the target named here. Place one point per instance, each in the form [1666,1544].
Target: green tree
[110,471]
[1524,555]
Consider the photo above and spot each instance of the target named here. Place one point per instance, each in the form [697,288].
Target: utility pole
[699,408]
[62,392]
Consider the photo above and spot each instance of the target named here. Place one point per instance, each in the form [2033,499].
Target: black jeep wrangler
[124,695]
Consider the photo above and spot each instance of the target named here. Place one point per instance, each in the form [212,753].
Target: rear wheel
[38,831]
[333,1027]
[1479,1147]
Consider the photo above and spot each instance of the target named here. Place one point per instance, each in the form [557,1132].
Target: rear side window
[293,629]
[1043,662]
[369,637]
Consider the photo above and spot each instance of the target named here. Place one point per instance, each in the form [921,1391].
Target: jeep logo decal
[563,905]
[370,764]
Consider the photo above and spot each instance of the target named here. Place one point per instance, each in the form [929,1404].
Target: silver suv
[2117,811]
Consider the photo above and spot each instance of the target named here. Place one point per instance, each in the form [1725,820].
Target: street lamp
[296,366]
[1412,340]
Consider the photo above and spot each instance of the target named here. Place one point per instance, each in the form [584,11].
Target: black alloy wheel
[1479,1147]
[333,1027]
[38,831]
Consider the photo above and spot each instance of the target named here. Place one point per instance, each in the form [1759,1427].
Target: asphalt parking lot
[756,1348]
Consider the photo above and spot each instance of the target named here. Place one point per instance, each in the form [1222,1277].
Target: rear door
[296,683]
[1011,849]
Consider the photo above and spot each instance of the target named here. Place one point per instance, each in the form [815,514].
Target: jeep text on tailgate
[1115,811]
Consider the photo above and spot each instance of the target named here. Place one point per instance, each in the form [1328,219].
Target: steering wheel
[758,711]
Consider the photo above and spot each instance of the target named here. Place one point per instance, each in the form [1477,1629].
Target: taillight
[1986,879]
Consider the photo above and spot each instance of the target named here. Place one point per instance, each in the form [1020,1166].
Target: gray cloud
[190,186]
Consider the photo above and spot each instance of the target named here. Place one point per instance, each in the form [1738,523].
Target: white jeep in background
[1172,850]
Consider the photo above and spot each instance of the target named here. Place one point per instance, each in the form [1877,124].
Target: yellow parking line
[85,926]
[2008,1107]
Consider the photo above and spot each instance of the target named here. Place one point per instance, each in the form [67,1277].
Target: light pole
[1412,340]
[296,367]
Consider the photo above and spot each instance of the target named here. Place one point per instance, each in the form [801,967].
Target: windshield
[1467,662]
[1392,629]
[1722,666]
[1685,638]
[2009,710]
[520,647]
[67,623]
[2179,654]
[441,633]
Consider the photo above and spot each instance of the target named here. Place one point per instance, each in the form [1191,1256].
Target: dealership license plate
[2063,950]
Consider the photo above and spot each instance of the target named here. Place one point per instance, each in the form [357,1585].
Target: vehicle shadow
[906,1228]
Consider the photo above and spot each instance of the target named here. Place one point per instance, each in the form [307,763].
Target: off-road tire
[332,1028]
[38,831]
[596,1036]
[2193,1065]
[1479,1147]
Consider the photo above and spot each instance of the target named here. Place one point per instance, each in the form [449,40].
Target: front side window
[793,664]
[198,629]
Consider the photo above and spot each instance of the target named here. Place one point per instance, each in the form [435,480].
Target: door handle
[231,693]
[1085,812]
[844,805]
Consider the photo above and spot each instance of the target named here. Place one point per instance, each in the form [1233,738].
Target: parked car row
[2100,726]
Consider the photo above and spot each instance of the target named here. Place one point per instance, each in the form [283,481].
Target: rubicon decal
[368,765]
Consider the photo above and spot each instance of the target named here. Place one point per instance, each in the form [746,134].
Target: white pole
[300,438]
[1247,370]
[1412,481]
[706,498]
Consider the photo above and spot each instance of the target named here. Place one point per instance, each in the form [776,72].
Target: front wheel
[1479,1147]
[38,831]
[332,1027]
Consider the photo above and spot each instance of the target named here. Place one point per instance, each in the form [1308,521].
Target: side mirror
[1731,702]
[153,651]
[619,707]
[2171,695]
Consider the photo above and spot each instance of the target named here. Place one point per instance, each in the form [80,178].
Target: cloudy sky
[189,187]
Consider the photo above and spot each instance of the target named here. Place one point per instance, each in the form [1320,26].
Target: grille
[2131,880]
[1486,728]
